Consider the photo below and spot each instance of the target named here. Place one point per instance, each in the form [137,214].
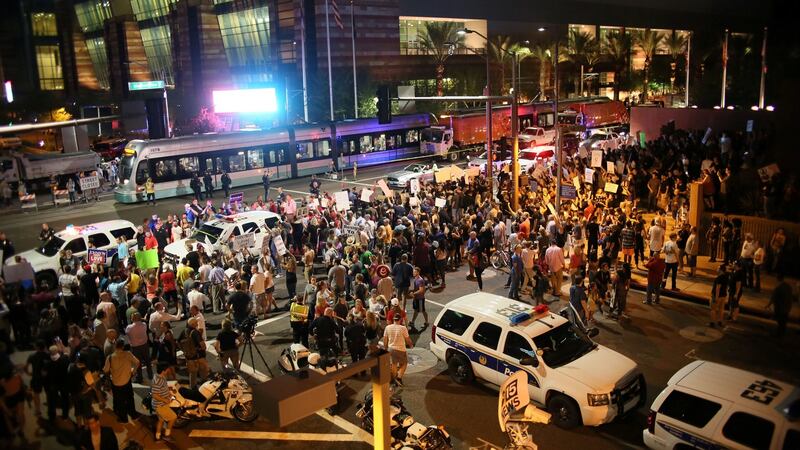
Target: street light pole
[558,134]
[763,86]
[688,65]
[724,70]
[514,135]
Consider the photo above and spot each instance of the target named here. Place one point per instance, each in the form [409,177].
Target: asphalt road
[661,339]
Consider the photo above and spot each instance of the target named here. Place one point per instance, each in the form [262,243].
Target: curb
[696,299]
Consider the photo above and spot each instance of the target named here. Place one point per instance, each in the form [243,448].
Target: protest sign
[577,183]
[456,172]
[568,192]
[90,182]
[17,272]
[588,176]
[582,152]
[610,167]
[385,188]
[472,172]
[236,197]
[349,230]
[366,194]
[414,186]
[413,201]
[246,240]
[342,201]
[279,245]
[323,202]
[551,209]
[440,202]
[597,158]
[442,175]
[96,256]
[147,259]
[611,188]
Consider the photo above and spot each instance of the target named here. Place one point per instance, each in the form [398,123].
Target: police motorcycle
[406,432]
[298,357]
[225,395]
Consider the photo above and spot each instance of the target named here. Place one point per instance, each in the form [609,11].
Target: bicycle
[500,258]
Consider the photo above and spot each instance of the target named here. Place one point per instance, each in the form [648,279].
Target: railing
[415,49]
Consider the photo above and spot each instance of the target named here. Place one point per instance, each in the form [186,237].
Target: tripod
[248,347]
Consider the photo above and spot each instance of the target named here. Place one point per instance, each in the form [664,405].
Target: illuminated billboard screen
[263,100]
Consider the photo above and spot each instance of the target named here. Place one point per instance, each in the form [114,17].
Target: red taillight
[433,334]
[651,422]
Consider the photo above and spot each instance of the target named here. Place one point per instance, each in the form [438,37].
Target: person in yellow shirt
[184,272]
[134,283]
[150,190]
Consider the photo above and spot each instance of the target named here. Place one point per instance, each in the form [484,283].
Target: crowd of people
[363,260]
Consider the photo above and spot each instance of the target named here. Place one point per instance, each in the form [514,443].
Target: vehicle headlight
[597,399]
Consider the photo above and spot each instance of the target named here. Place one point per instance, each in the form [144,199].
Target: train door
[275,161]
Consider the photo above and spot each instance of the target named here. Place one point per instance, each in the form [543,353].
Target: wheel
[48,277]
[182,420]
[453,156]
[460,369]
[244,412]
[564,411]
[497,260]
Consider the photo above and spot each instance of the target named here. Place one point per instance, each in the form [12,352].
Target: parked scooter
[298,357]
[407,433]
[226,395]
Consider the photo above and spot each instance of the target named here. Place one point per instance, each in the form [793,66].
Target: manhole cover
[701,334]
[420,359]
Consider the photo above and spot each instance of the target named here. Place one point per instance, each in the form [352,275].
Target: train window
[255,159]
[305,150]
[141,172]
[380,142]
[349,147]
[214,164]
[236,162]
[365,144]
[165,170]
[323,148]
[412,136]
[188,166]
[390,142]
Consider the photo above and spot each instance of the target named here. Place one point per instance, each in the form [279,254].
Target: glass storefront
[48,63]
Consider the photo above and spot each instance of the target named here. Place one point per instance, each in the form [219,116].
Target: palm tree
[617,48]
[649,41]
[436,40]
[582,51]
[498,48]
[676,46]
[542,53]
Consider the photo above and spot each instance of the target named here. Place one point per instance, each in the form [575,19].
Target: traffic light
[384,105]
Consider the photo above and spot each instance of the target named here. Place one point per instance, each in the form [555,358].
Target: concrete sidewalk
[697,289]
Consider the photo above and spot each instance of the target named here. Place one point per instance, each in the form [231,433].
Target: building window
[48,61]
[591,30]
[151,9]
[246,36]
[158,48]
[44,24]
[99,57]
[91,15]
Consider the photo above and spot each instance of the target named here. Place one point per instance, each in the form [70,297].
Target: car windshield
[51,247]
[432,135]
[563,344]
[527,155]
[127,167]
[207,233]
[414,168]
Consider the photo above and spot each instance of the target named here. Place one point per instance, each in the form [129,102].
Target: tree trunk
[440,80]
[646,79]
[543,78]
[616,84]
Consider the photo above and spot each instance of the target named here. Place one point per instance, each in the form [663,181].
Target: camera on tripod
[248,327]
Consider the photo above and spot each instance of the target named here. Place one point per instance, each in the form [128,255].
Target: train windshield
[51,247]
[126,167]
[432,135]
[207,233]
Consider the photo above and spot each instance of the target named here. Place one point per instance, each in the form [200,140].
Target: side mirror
[592,332]
[529,361]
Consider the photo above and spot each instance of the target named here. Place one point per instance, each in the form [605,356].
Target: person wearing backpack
[194,350]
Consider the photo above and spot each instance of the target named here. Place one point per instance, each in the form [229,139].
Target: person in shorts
[159,390]
[418,296]
[719,296]
[396,339]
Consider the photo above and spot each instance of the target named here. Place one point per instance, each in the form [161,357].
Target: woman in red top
[151,284]
[169,291]
[150,241]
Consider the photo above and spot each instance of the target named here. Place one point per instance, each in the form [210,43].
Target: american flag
[336,15]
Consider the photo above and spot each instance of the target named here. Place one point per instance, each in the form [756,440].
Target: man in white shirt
[656,236]
[197,313]
[108,307]
[197,298]
[749,247]
[159,315]
[554,257]
[396,339]
[671,259]
[259,289]
[204,270]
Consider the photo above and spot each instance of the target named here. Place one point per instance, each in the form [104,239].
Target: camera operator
[239,303]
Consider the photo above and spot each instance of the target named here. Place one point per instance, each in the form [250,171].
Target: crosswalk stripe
[274,435]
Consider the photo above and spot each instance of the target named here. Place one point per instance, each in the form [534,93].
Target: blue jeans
[653,289]
[513,292]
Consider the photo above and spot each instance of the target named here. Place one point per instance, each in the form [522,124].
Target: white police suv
[712,406]
[490,337]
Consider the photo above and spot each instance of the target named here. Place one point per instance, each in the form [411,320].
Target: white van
[712,406]
[215,233]
[101,235]
[577,380]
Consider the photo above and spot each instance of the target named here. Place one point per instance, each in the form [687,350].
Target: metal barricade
[60,197]
[28,201]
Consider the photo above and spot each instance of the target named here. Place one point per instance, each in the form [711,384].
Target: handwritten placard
[385,188]
[588,176]
[611,188]
[440,202]
[366,194]
[610,167]
[597,158]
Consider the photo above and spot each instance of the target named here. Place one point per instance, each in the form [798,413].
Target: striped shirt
[159,388]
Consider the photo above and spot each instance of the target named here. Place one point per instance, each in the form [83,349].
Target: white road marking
[356,431]
[275,436]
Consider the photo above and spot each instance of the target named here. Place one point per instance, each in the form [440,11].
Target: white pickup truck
[534,136]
